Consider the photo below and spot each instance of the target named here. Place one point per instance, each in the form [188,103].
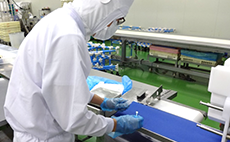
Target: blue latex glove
[128,124]
[115,104]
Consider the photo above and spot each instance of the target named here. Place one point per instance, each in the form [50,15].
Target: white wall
[206,18]
[36,5]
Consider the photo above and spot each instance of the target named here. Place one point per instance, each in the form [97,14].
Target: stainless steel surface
[140,93]
[5,70]
[142,135]
[102,92]
[178,109]
[155,135]
[218,132]
[105,93]
[3,90]
[131,95]
[164,104]
[94,109]
[157,93]
[6,67]
[134,137]
[211,106]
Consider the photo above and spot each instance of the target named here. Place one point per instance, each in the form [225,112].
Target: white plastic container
[16,39]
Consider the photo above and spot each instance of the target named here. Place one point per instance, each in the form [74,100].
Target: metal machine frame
[185,42]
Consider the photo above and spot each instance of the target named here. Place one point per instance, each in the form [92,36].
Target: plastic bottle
[5,15]
[1,20]
[1,9]
[16,18]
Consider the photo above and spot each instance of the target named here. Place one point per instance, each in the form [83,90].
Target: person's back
[24,94]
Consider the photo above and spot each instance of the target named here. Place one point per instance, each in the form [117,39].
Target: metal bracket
[156,94]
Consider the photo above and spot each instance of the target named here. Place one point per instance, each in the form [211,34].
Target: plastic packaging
[201,55]
[16,39]
[127,83]
[94,80]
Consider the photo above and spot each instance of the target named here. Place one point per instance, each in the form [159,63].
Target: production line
[49,78]
[152,102]
[188,42]
[99,54]
[175,41]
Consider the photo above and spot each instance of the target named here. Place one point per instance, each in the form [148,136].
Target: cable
[19,6]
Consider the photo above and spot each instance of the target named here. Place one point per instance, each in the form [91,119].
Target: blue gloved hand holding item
[128,124]
[115,104]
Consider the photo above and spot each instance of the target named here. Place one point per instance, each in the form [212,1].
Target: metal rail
[211,106]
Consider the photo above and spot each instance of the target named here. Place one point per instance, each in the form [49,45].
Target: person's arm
[96,100]
[115,125]
[65,90]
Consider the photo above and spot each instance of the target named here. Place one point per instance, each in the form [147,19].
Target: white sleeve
[92,94]
[65,88]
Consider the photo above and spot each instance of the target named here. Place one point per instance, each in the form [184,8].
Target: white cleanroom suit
[47,95]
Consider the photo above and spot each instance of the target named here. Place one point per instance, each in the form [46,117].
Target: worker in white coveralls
[47,95]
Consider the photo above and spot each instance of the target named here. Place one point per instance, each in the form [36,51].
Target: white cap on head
[97,14]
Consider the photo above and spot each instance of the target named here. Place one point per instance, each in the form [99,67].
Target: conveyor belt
[170,126]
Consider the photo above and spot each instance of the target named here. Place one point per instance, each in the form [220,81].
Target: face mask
[107,32]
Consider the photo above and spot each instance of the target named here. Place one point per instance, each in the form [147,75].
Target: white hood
[97,14]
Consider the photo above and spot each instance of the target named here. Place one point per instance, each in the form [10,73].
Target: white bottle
[5,17]
[5,9]
[1,20]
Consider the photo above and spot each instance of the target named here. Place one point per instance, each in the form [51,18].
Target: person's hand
[128,124]
[114,104]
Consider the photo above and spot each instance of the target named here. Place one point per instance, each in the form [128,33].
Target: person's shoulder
[66,24]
